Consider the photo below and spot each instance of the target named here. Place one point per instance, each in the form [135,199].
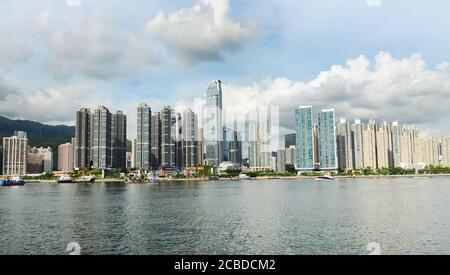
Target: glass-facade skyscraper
[213,129]
[83,139]
[304,138]
[327,140]
[101,131]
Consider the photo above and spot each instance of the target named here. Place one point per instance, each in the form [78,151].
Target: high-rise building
[156,135]
[385,157]
[370,145]
[408,144]
[289,140]
[177,143]
[83,139]
[445,147]
[327,140]
[281,160]
[251,142]
[143,149]
[129,162]
[426,151]
[119,140]
[345,146]
[291,156]
[264,142]
[65,157]
[15,151]
[396,144]
[102,127]
[190,139]
[213,129]
[232,146]
[358,149]
[167,142]
[304,138]
[133,156]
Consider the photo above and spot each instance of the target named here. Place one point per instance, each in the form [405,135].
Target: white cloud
[390,88]
[201,33]
[6,89]
[13,50]
[99,50]
[51,105]
[373,3]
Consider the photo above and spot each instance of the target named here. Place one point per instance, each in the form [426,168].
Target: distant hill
[38,134]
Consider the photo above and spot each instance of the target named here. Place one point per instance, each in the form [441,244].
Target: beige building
[369,145]
[133,153]
[65,157]
[446,151]
[408,144]
[384,146]
[15,150]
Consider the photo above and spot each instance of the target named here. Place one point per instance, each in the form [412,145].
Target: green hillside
[39,135]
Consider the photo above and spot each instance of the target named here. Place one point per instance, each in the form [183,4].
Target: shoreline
[260,178]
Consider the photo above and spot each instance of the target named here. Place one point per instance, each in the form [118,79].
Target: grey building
[358,144]
[167,142]
[213,129]
[190,139]
[281,160]
[102,157]
[232,146]
[82,156]
[119,140]
[155,141]
[144,134]
[177,143]
[344,141]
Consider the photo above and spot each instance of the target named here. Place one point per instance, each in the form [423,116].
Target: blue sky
[119,53]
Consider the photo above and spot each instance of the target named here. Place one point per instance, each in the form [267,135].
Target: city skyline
[372,71]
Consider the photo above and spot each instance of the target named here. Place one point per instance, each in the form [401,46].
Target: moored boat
[12,181]
[325,177]
[65,179]
[86,179]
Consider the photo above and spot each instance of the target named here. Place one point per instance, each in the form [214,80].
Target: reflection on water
[256,217]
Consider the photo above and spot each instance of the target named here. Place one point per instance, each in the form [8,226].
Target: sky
[368,59]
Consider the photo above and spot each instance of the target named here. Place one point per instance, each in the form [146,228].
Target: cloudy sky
[380,59]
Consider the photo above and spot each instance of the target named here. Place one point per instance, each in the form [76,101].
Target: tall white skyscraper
[15,151]
[327,140]
[212,124]
[304,138]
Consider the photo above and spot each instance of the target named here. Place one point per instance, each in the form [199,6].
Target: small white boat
[65,179]
[86,179]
